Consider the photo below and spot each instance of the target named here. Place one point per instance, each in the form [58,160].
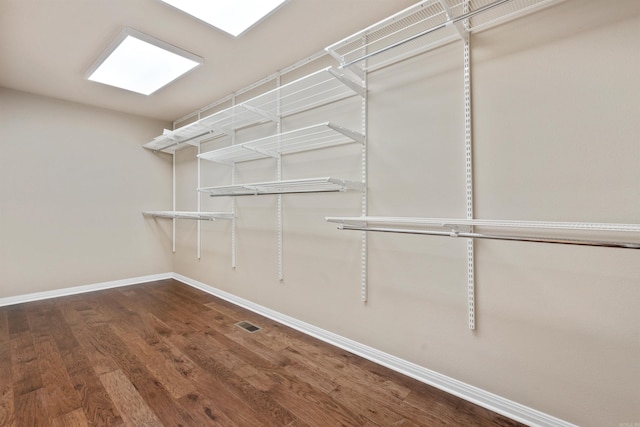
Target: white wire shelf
[309,185]
[215,125]
[462,228]
[233,118]
[206,216]
[425,26]
[231,155]
[314,90]
[314,137]
[172,140]
[322,87]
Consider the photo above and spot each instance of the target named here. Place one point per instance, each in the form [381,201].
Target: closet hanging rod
[450,21]
[455,222]
[516,238]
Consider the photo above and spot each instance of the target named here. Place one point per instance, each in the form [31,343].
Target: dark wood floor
[165,354]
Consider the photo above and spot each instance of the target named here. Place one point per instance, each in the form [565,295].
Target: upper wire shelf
[316,89]
[322,87]
[314,137]
[207,216]
[463,228]
[309,185]
[425,26]
[172,140]
[232,154]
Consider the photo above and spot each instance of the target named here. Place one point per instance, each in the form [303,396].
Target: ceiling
[47,46]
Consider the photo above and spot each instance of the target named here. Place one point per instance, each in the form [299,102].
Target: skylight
[141,63]
[231,16]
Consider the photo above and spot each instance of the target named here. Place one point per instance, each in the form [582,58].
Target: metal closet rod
[516,238]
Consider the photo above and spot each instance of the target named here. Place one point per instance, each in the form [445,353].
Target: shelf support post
[233,199]
[364,175]
[173,190]
[279,178]
[199,202]
[199,208]
[468,142]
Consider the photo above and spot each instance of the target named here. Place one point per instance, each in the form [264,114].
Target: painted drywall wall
[555,138]
[73,183]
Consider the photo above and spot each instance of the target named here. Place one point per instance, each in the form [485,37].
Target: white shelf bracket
[355,72]
[358,137]
[357,88]
[459,26]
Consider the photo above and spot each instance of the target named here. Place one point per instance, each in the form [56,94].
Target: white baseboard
[480,397]
[82,289]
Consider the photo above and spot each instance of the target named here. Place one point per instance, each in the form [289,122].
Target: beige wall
[73,183]
[555,131]
[555,112]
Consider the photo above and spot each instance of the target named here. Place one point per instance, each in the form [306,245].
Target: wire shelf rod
[309,185]
[449,222]
[205,216]
[517,238]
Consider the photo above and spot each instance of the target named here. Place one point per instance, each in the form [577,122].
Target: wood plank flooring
[165,354]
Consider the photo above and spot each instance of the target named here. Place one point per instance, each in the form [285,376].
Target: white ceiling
[46,47]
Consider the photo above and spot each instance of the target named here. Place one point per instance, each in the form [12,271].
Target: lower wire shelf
[203,216]
[451,227]
[309,185]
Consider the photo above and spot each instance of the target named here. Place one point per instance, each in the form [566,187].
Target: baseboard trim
[37,296]
[506,407]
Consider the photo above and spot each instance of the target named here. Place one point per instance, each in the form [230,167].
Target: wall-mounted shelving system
[420,28]
[319,88]
[324,86]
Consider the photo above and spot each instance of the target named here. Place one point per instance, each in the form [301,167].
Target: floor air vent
[247,326]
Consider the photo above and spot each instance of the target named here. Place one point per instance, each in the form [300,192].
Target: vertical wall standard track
[468,142]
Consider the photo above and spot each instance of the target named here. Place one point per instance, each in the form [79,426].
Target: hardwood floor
[165,354]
